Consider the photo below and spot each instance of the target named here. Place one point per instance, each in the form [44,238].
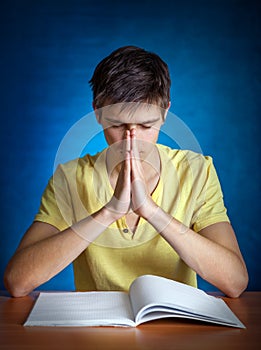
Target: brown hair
[131,74]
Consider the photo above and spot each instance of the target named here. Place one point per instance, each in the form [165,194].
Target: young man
[137,207]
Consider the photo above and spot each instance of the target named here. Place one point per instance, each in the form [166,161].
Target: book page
[149,291]
[82,309]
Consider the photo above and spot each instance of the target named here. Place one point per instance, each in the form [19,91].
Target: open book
[149,298]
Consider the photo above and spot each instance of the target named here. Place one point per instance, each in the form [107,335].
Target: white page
[154,290]
[81,309]
[155,313]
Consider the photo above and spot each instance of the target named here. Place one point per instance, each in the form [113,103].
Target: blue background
[48,52]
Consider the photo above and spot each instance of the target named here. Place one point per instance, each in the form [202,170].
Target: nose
[131,126]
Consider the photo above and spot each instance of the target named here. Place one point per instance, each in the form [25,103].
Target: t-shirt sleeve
[210,208]
[55,207]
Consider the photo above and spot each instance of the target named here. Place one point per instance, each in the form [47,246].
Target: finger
[136,169]
[127,142]
[134,143]
[139,194]
[136,166]
[123,180]
[127,163]
[125,171]
[120,202]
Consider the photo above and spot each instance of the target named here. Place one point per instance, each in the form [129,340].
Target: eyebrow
[115,121]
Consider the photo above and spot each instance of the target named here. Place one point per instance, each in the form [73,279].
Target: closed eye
[117,126]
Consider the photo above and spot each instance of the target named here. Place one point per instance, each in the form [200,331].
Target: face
[146,119]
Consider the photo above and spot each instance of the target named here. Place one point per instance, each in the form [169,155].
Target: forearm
[212,261]
[36,263]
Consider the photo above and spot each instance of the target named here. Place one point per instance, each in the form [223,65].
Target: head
[131,74]
[131,88]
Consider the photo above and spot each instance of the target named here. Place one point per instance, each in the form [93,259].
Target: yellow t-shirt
[188,189]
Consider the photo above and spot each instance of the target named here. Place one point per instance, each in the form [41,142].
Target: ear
[166,112]
[96,111]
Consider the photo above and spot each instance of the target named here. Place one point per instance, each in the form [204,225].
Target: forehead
[131,113]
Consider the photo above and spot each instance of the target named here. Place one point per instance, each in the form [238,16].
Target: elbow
[238,286]
[14,285]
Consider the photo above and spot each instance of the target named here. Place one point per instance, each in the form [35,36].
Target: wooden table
[163,334]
